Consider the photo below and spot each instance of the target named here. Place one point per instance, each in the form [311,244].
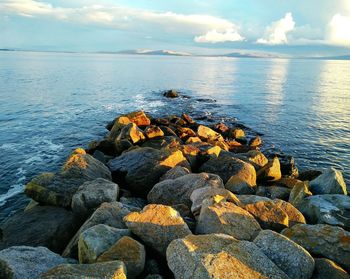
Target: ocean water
[51,103]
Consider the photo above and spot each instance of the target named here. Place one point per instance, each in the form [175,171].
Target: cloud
[338,32]
[276,33]
[213,36]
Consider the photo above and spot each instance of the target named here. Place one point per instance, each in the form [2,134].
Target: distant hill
[250,55]
[155,52]
[342,57]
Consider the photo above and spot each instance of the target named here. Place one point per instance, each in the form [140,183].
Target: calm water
[52,103]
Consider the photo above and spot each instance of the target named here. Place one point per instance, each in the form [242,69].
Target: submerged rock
[171,94]
[331,181]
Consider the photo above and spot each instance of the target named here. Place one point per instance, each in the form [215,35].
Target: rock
[141,168]
[174,173]
[58,189]
[167,142]
[299,192]
[133,202]
[237,133]
[179,190]
[221,128]
[188,119]
[220,216]
[107,270]
[99,156]
[287,182]
[110,214]
[255,142]
[122,145]
[288,167]
[47,226]
[24,262]
[327,269]
[185,133]
[171,94]
[331,181]
[309,175]
[157,225]
[139,118]
[119,123]
[153,132]
[294,215]
[193,140]
[256,158]
[92,194]
[200,194]
[106,146]
[206,134]
[271,171]
[219,256]
[290,257]
[324,240]
[229,168]
[327,209]
[96,240]
[131,133]
[130,252]
[273,192]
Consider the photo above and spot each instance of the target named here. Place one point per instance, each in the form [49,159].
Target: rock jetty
[169,197]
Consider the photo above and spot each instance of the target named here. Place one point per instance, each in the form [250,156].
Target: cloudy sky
[299,27]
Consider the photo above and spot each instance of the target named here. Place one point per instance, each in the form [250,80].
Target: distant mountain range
[154,52]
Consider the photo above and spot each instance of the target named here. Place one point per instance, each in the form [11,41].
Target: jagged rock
[327,269]
[255,142]
[179,190]
[47,226]
[92,194]
[96,240]
[254,157]
[141,168]
[110,214]
[193,140]
[237,133]
[174,173]
[331,181]
[153,132]
[169,142]
[24,262]
[107,270]
[188,119]
[271,171]
[130,252]
[58,189]
[220,216]
[131,133]
[206,134]
[184,133]
[219,256]
[290,257]
[299,192]
[288,167]
[157,225]
[133,202]
[273,192]
[324,240]
[287,182]
[171,94]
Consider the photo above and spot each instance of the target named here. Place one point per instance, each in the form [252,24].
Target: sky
[291,27]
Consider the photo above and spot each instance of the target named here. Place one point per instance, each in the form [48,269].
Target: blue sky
[295,27]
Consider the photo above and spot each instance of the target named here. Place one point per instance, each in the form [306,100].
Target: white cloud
[276,33]
[338,32]
[213,36]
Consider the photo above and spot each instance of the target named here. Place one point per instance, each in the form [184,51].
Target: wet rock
[290,257]
[299,192]
[179,190]
[188,119]
[271,171]
[255,142]
[107,270]
[153,132]
[106,146]
[174,173]
[171,94]
[219,256]
[141,168]
[24,262]
[205,133]
[273,192]
[96,240]
[309,175]
[131,133]
[327,269]
[157,226]
[122,145]
[324,240]
[331,181]
[47,226]
[220,216]
[288,167]
[222,129]
[92,194]
[130,252]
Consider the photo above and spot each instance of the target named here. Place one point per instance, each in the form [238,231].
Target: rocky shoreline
[174,198]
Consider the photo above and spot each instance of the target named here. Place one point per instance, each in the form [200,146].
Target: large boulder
[141,168]
[47,226]
[328,241]
[24,262]
[327,269]
[179,190]
[219,256]
[299,192]
[96,240]
[290,257]
[107,270]
[58,189]
[331,181]
[207,134]
[92,194]
[219,216]
[130,252]
[271,171]
[174,173]
[157,225]
[132,133]
[254,157]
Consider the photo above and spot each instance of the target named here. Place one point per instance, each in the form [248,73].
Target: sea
[51,103]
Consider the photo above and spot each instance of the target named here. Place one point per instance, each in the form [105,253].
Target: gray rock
[299,192]
[331,181]
[290,257]
[175,173]
[24,262]
[327,269]
[273,192]
[179,190]
[92,194]
[133,202]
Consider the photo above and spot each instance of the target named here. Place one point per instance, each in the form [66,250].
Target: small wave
[9,146]
[13,191]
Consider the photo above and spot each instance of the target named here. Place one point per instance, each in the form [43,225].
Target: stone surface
[256,141]
[107,270]
[299,192]
[47,226]
[331,181]
[273,192]
[271,171]
[153,132]
[24,262]
[171,94]
[327,269]
[179,190]
[141,168]
[290,257]
[219,256]
[92,194]
[175,172]
[130,252]
[205,133]
[96,240]
[157,226]
[323,240]
[131,133]
[220,216]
